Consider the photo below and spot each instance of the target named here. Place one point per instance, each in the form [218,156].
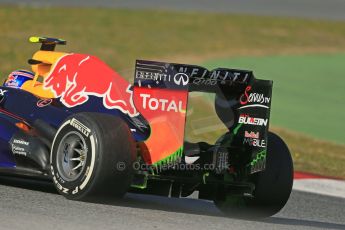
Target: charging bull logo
[75,77]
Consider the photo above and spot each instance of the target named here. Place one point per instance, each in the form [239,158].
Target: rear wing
[242,103]
[189,77]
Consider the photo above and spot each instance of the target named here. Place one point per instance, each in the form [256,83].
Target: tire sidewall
[272,186]
[81,185]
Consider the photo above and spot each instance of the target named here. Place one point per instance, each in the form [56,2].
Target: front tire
[273,186]
[92,156]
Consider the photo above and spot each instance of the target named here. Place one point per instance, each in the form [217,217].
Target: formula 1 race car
[75,121]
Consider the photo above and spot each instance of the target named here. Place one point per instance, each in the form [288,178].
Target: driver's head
[17,78]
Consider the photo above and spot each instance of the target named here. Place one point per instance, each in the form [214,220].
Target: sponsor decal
[59,186]
[251,134]
[76,190]
[16,141]
[202,78]
[157,77]
[157,72]
[161,104]
[218,76]
[2,92]
[11,81]
[13,84]
[165,72]
[258,99]
[160,72]
[19,147]
[165,111]
[75,77]
[18,150]
[44,102]
[13,75]
[247,120]
[181,79]
[254,142]
[81,127]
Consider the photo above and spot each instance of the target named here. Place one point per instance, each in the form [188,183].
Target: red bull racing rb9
[74,121]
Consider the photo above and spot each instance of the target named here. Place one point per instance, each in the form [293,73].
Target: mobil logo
[75,77]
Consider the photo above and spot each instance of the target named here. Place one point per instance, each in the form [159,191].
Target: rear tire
[272,186]
[92,156]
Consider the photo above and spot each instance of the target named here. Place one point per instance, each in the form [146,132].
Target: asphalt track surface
[316,9]
[32,205]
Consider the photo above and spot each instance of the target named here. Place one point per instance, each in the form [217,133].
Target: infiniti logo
[181,78]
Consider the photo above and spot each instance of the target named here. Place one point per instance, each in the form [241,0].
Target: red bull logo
[11,78]
[75,77]
[251,134]
[11,81]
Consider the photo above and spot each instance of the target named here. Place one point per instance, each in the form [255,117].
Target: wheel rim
[71,156]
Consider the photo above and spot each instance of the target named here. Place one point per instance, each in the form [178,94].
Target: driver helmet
[17,78]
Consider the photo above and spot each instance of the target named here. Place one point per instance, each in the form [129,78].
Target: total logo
[247,120]
[254,142]
[254,98]
[161,104]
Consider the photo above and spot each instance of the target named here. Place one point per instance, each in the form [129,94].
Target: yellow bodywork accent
[48,59]
[36,88]
[34,39]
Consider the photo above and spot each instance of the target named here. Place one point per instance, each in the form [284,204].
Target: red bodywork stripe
[14,116]
[305,175]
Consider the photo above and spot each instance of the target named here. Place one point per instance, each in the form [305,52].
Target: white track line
[328,187]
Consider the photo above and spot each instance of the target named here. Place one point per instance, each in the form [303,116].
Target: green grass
[308,93]
[121,36]
[312,155]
